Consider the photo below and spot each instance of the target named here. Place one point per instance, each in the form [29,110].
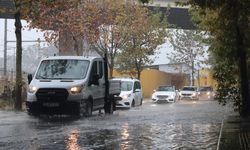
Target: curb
[221,127]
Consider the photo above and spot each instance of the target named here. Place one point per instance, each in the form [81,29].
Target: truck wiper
[67,80]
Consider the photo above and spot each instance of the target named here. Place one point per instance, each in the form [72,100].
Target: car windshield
[188,89]
[165,88]
[62,69]
[126,85]
[206,89]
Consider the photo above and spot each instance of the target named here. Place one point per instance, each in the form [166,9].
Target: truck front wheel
[32,109]
[88,108]
[84,108]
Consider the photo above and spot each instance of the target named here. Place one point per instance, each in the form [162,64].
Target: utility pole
[5,48]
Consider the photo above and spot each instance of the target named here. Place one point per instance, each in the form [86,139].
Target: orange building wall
[206,78]
[150,80]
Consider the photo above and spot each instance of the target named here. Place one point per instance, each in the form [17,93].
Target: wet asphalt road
[186,124]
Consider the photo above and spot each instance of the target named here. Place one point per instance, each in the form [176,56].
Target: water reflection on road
[183,125]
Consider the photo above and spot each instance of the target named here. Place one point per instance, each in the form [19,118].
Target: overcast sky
[26,35]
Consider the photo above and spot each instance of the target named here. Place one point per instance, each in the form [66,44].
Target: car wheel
[133,103]
[141,102]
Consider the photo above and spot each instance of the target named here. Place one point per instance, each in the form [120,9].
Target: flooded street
[181,125]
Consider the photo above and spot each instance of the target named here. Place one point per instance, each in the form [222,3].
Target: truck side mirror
[29,78]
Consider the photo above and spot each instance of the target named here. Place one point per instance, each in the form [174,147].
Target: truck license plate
[51,104]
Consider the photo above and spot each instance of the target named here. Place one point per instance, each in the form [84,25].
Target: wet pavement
[184,125]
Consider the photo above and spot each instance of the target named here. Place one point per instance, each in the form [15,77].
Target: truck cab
[70,84]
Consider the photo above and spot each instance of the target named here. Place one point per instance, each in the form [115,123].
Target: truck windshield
[62,69]
[126,86]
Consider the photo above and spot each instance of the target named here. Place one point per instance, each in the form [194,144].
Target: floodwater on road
[181,125]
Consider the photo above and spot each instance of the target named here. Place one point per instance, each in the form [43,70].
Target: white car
[164,94]
[189,92]
[131,93]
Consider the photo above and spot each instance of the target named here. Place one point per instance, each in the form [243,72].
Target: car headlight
[194,94]
[172,96]
[32,89]
[75,89]
[208,93]
[126,96]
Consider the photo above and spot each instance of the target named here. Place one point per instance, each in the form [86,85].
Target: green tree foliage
[146,32]
[189,48]
[228,24]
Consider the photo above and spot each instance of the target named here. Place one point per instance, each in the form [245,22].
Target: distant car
[131,93]
[207,92]
[189,92]
[164,94]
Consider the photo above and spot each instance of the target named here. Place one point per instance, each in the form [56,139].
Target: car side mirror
[137,90]
[29,78]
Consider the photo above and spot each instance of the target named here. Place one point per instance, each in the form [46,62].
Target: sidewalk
[235,134]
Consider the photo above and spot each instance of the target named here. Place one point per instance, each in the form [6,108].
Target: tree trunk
[18,86]
[241,24]
[192,75]
[138,74]
[243,73]
[111,72]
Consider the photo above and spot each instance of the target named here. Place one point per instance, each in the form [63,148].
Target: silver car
[189,92]
[164,94]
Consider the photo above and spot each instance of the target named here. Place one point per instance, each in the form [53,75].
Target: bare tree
[189,48]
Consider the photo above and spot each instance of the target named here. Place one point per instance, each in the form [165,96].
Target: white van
[131,93]
[71,84]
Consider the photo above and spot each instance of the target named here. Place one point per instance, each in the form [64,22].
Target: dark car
[206,92]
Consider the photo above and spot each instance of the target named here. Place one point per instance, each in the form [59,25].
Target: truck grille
[52,95]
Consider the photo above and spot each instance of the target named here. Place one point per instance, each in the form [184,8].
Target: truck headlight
[32,89]
[75,89]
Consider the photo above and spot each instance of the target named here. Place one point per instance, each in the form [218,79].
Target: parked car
[189,92]
[207,92]
[131,93]
[164,94]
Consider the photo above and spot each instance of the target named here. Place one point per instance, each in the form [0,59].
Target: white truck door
[98,89]
[138,92]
